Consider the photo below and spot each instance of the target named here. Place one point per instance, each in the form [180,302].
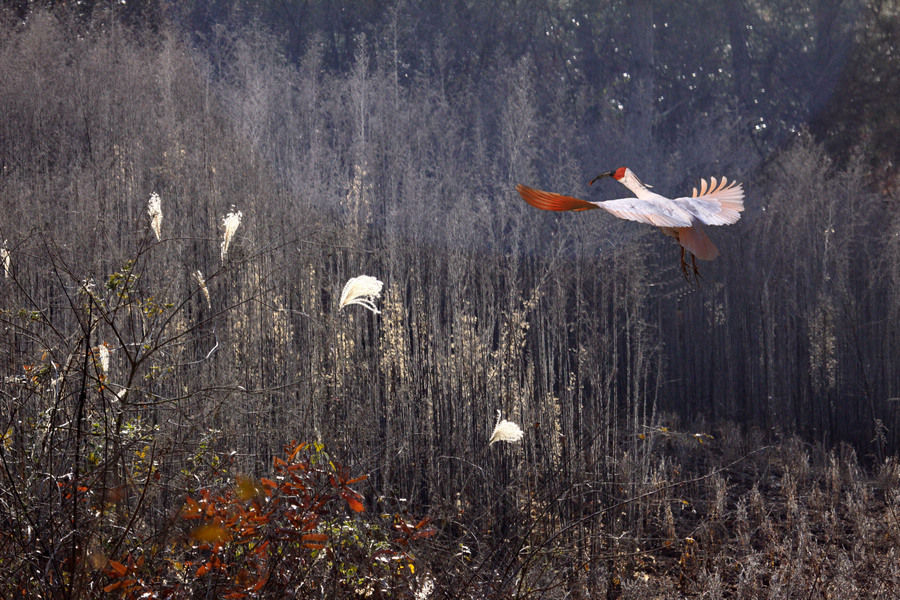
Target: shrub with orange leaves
[290,534]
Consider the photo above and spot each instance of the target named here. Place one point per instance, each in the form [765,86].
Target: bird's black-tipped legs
[694,269]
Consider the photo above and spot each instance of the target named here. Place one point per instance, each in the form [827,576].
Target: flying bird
[719,203]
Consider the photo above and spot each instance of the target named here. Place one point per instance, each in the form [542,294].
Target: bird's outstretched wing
[551,201]
[661,213]
[633,209]
[719,204]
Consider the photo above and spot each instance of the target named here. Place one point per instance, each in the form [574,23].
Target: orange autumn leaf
[296,450]
[191,509]
[315,537]
[310,524]
[262,548]
[355,504]
[117,568]
[211,533]
[313,546]
[424,533]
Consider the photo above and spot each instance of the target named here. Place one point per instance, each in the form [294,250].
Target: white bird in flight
[720,203]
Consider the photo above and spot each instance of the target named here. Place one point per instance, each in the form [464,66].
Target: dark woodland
[737,438]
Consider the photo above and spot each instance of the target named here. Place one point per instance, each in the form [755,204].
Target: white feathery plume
[231,221]
[362,290]
[154,209]
[103,351]
[202,283]
[505,431]
[5,259]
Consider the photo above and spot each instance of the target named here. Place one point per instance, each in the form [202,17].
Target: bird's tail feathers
[551,201]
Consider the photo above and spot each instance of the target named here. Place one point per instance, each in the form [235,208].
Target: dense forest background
[386,138]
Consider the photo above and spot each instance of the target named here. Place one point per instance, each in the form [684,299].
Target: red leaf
[311,524]
[358,479]
[203,570]
[296,450]
[262,548]
[118,568]
[113,586]
[424,533]
[315,537]
[313,546]
[355,504]
[192,510]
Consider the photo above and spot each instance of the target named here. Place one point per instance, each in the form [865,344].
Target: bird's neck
[636,186]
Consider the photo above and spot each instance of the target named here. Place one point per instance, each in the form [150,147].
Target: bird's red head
[618,174]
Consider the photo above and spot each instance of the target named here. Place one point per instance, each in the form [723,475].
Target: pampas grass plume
[231,222]
[505,431]
[154,209]
[202,283]
[362,290]
[103,351]
[6,259]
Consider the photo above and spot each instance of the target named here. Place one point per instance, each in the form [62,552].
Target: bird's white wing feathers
[718,204]
[661,213]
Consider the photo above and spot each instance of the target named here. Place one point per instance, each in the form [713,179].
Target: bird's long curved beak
[601,176]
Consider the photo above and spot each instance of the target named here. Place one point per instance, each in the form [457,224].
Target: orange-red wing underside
[551,201]
[694,240]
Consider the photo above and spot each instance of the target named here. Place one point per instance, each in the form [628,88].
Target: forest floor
[788,521]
